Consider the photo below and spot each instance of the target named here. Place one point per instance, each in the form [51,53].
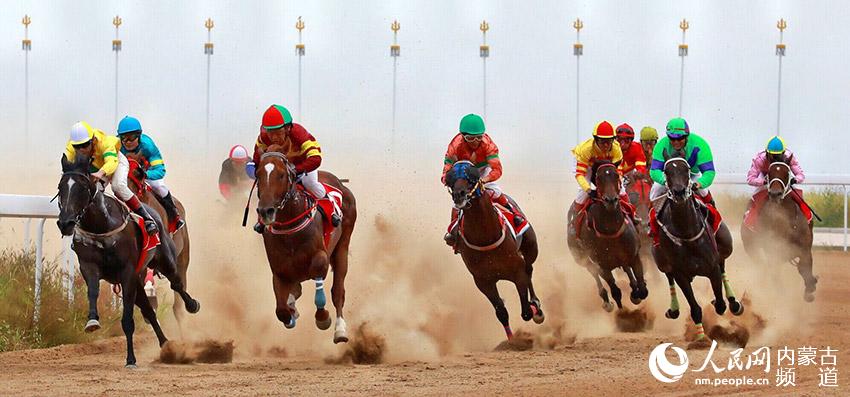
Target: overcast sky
[629,72]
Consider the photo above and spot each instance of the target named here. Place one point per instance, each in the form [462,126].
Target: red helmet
[603,130]
[625,131]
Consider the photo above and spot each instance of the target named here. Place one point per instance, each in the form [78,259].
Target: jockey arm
[450,158]
[656,167]
[492,161]
[583,160]
[796,169]
[308,147]
[755,176]
[156,168]
[705,164]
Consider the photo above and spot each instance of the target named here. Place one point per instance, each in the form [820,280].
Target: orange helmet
[603,130]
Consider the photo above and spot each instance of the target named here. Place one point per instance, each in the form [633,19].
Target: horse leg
[612,284]
[127,323]
[169,269]
[696,311]
[804,267]
[637,269]
[179,306]
[717,284]
[529,255]
[521,281]
[92,277]
[634,296]
[284,312]
[319,269]
[673,311]
[339,261]
[150,315]
[737,308]
[488,288]
[603,293]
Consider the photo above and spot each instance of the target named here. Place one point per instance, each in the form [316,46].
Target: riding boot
[137,207]
[504,202]
[175,221]
[451,236]
[336,219]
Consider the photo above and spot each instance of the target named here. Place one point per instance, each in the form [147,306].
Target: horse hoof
[193,306]
[635,300]
[323,325]
[92,325]
[131,366]
[736,308]
[290,324]
[809,297]
[608,306]
[538,316]
[340,338]
[671,314]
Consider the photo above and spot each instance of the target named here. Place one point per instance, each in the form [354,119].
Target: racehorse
[638,190]
[608,240]
[296,246]
[783,232]
[688,246]
[108,242]
[136,183]
[488,248]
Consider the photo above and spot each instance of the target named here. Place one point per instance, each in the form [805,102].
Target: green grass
[828,203]
[60,322]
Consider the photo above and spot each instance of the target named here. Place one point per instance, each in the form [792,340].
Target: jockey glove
[251,170]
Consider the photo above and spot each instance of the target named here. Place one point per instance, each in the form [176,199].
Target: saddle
[709,212]
[328,207]
[580,215]
[506,216]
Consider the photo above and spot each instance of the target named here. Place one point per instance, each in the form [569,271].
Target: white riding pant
[118,180]
[158,186]
[310,181]
[493,187]
[582,196]
[659,190]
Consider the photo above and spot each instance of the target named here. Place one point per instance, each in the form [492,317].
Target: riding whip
[807,205]
[248,204]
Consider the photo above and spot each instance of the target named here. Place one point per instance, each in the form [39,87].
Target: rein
[591,222]
[679,241]
[307,215]
[786,184]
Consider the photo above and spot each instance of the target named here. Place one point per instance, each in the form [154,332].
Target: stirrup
[336,220]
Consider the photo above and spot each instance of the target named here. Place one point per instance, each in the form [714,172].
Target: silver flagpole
[116,47]
[780,53]
[299,51]
[578,51]
[395,52]
[484,53]
[683,52]
[208,51]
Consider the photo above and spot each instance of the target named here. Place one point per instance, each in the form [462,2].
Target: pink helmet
[238,152]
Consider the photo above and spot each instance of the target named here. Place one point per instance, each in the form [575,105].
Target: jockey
[601,146]
[233,175]
[697,153]
[648,138]
[112,167]
[634,161]
[474,145]
[300,147]
[136,144]
[776,151]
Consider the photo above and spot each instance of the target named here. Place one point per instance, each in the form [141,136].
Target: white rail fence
[822,180]
[39,208]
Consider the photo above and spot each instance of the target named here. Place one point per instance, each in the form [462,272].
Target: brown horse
[608,240]
[136,183]
[638,191]
[108,243]
[782,233]
[489,251]
[294,241]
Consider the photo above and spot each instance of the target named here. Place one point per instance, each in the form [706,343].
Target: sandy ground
[435,332]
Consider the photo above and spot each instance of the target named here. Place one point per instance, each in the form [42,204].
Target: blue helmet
[129,124]
[776,145]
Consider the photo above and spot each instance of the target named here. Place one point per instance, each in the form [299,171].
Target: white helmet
[238,152]
[81,132]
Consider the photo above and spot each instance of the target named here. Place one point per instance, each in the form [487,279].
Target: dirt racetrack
[614,364]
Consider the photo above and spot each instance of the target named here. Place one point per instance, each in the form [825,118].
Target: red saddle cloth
[508,218]
[581,213]
[331,205]
[760,198]
[712,214]
[149,242]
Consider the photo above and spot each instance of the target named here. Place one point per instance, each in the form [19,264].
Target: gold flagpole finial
[395,26]
[781,25]
[209,24]
[299,24]
[26,21]
[578,24]
[484,26]
[684,25]
[117,21]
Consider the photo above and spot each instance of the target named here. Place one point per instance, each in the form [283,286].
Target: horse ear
[65,163]
[474,174]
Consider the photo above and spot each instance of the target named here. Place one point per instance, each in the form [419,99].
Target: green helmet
[677,128]
[472,124]
[648,134]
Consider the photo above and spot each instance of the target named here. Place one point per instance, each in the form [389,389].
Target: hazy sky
[630,73]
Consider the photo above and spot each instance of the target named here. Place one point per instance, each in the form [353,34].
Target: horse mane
[80,164]
[599,163]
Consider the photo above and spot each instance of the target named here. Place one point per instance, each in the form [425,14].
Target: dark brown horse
[294,242]
[638,191]
[782,233]
[108,243]
[608,240]
[136,183]
[488,249]
[689,248]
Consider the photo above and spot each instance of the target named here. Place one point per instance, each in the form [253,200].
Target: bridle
[688,194]
[278,227]
[477,189]
[688,189]
[290,175]
[591,222]
[786,184]
[91,194]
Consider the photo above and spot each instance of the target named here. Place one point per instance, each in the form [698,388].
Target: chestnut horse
[136,183]
[488,250]
[108,243]
[688,247]
[608,240]
[294,241]
[782,232]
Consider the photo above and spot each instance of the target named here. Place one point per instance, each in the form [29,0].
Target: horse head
[275,183]
[677,173]
[464,183]
[778,180]
[76,192]
[607,181]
